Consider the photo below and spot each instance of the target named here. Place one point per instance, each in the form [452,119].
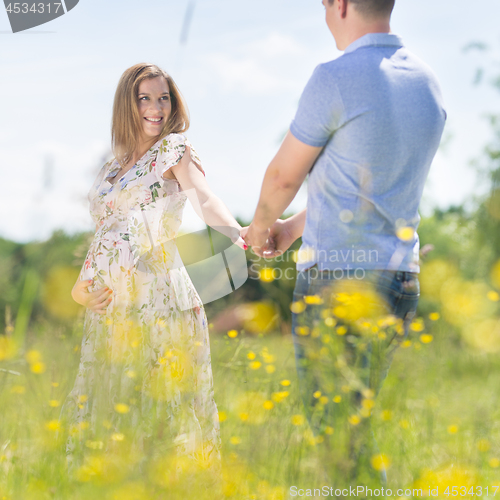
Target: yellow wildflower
[368,404]
[417,325]
[268,405]
[313,299]
[387,415]
[330,321]
[404,424]
[380,462]
[53,425]
[405,233]
[354,420]
[266,274]
[298,420]
[341,330]
[38,367]
[279,396]
[297,307]
[122,408]
[302,330]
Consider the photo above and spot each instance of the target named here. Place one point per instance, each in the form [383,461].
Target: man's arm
[282,180]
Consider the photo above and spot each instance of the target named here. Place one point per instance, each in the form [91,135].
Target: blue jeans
[346,326]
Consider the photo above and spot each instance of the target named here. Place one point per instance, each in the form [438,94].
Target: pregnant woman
[144,381]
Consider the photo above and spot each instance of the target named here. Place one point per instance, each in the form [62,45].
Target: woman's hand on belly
[96,301]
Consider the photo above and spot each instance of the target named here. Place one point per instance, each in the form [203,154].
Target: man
[366,130]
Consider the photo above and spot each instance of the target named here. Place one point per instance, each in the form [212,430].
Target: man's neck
[359,30]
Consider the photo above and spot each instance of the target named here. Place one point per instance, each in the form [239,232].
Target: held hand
[256,238]
[96,301]
[279,240]
[269,249]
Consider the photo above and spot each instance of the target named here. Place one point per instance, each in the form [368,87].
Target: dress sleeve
[94,190]
[171,151]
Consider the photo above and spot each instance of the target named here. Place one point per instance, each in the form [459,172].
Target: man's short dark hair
[372,8]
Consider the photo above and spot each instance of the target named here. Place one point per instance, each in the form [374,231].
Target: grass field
[436,421]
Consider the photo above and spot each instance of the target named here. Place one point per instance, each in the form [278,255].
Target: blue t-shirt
[377,110]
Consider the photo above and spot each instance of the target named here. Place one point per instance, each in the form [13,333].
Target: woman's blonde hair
[126,125]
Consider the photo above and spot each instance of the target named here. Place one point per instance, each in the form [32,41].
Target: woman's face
[154,105]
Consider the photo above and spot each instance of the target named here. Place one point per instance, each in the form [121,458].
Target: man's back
[378,111]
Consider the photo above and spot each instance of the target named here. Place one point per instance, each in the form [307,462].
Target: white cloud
[260,67]
[274,45]
[246,75]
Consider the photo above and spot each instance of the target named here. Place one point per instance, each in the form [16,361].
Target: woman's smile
[154,120]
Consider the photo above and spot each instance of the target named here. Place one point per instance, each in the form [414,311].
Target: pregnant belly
[108,262]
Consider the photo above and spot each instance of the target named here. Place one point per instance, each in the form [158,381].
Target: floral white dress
[145,369]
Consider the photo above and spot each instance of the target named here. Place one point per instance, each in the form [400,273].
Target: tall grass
[436,421]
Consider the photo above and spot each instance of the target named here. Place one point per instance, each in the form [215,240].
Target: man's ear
[343,8]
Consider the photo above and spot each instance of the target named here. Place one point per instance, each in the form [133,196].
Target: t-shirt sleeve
[170,152]
[320,110]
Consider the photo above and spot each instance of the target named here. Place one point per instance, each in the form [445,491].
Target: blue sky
[241,71]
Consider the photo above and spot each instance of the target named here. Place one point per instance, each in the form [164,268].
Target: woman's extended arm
[207,205]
